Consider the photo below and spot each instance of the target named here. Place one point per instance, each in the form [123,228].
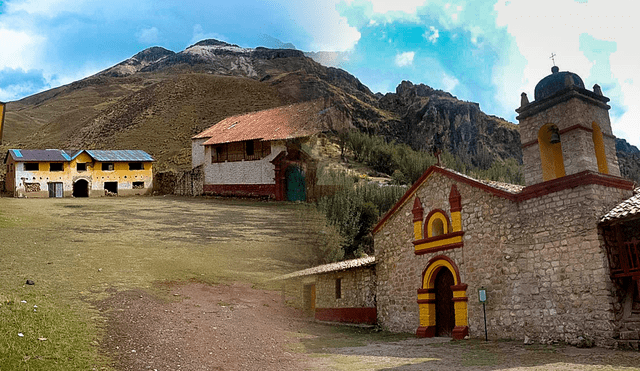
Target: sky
[485,51]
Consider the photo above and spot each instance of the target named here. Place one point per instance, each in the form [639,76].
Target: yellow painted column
[417,229]
[460,307]
[456,221]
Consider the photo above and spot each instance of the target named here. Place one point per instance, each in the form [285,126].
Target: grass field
[78,251]
[81,251]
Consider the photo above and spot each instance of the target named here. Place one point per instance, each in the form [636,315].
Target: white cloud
[405,59]
[449,83]
[432,35]
[406,6]
[149,35]
[538,32]
[20,49]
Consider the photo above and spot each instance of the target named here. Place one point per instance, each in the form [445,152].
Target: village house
[80,173]
[262,154]
[558,258]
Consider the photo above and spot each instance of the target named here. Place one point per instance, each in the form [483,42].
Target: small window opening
[107,166]
[437,228]
[136,166]
[56,166]
[338,288]
[110,188]
[138,185]
[31,166]
[250,148]
[81,166]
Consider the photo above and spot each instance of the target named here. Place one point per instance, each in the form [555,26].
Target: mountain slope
[157,99]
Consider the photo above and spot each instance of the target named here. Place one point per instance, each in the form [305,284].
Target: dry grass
[79,251]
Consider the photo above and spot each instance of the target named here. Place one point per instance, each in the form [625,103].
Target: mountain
[158,99]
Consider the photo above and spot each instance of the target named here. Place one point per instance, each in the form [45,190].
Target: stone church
[559,258]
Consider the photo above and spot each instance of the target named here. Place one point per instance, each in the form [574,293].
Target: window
[138,185]
[250,148]
[136,166]
[107,166]
[437,228]
[31,166]
[81,166]
[338,288]
[56,166]
[437,224]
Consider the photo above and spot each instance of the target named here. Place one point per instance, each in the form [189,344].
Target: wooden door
[55,190]
[296,188]
[445,313]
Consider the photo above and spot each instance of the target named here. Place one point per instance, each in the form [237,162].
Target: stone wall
[358,288]
[541,261]
[574,118]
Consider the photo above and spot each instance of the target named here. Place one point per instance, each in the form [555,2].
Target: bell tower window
[550,144]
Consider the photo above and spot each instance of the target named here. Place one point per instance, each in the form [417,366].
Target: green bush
[355,208]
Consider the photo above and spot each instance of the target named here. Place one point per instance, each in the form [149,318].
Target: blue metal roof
[39,155]
[119,155]
[58,155]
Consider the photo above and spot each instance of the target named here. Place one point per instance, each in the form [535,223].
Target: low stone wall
[182,183]
[352,300]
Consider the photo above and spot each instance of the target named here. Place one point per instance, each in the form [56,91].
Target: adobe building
[262,154]
[38,173]
[559,258]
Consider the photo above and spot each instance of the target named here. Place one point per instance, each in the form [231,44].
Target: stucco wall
[541,261]
[197,152]
[242,172]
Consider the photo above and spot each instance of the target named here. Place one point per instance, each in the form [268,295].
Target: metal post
[484,309]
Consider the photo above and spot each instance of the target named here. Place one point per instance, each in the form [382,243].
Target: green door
[296,190]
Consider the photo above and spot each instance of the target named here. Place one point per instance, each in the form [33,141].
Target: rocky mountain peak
[152,54]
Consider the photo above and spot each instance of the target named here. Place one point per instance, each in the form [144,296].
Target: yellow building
[82,173]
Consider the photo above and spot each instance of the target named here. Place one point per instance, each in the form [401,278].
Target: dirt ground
[236,327]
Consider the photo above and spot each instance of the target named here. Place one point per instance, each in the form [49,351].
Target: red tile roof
[286,122]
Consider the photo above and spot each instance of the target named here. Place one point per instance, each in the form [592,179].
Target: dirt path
[222,327]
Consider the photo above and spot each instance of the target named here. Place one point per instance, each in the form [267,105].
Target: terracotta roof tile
[333,267]
[626,209]
[286,122]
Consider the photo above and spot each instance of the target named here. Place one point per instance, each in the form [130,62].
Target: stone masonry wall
[540,260]
[358,289]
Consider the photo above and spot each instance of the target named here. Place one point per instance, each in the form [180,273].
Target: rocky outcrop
[431,118]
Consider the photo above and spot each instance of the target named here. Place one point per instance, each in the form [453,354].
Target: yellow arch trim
[550,154]
[437,216]
[598,145]
[429,278]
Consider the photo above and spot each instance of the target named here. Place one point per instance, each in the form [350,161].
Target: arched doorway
[295,184]
[442,300]
[81,188]
[445,314]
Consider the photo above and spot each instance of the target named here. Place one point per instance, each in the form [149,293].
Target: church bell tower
[565,130]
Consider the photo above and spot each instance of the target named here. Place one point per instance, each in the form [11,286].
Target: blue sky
[479,50]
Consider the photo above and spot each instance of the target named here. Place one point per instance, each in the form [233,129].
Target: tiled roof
[626,209]
[293,121]
[53,155]
[119,155]
[333,267]
[507,187]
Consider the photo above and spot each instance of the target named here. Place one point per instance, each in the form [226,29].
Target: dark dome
[555,82]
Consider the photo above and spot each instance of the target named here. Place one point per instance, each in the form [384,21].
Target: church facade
[538,251]
[558,258]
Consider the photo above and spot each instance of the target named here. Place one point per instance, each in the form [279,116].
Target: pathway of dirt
[223,327]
